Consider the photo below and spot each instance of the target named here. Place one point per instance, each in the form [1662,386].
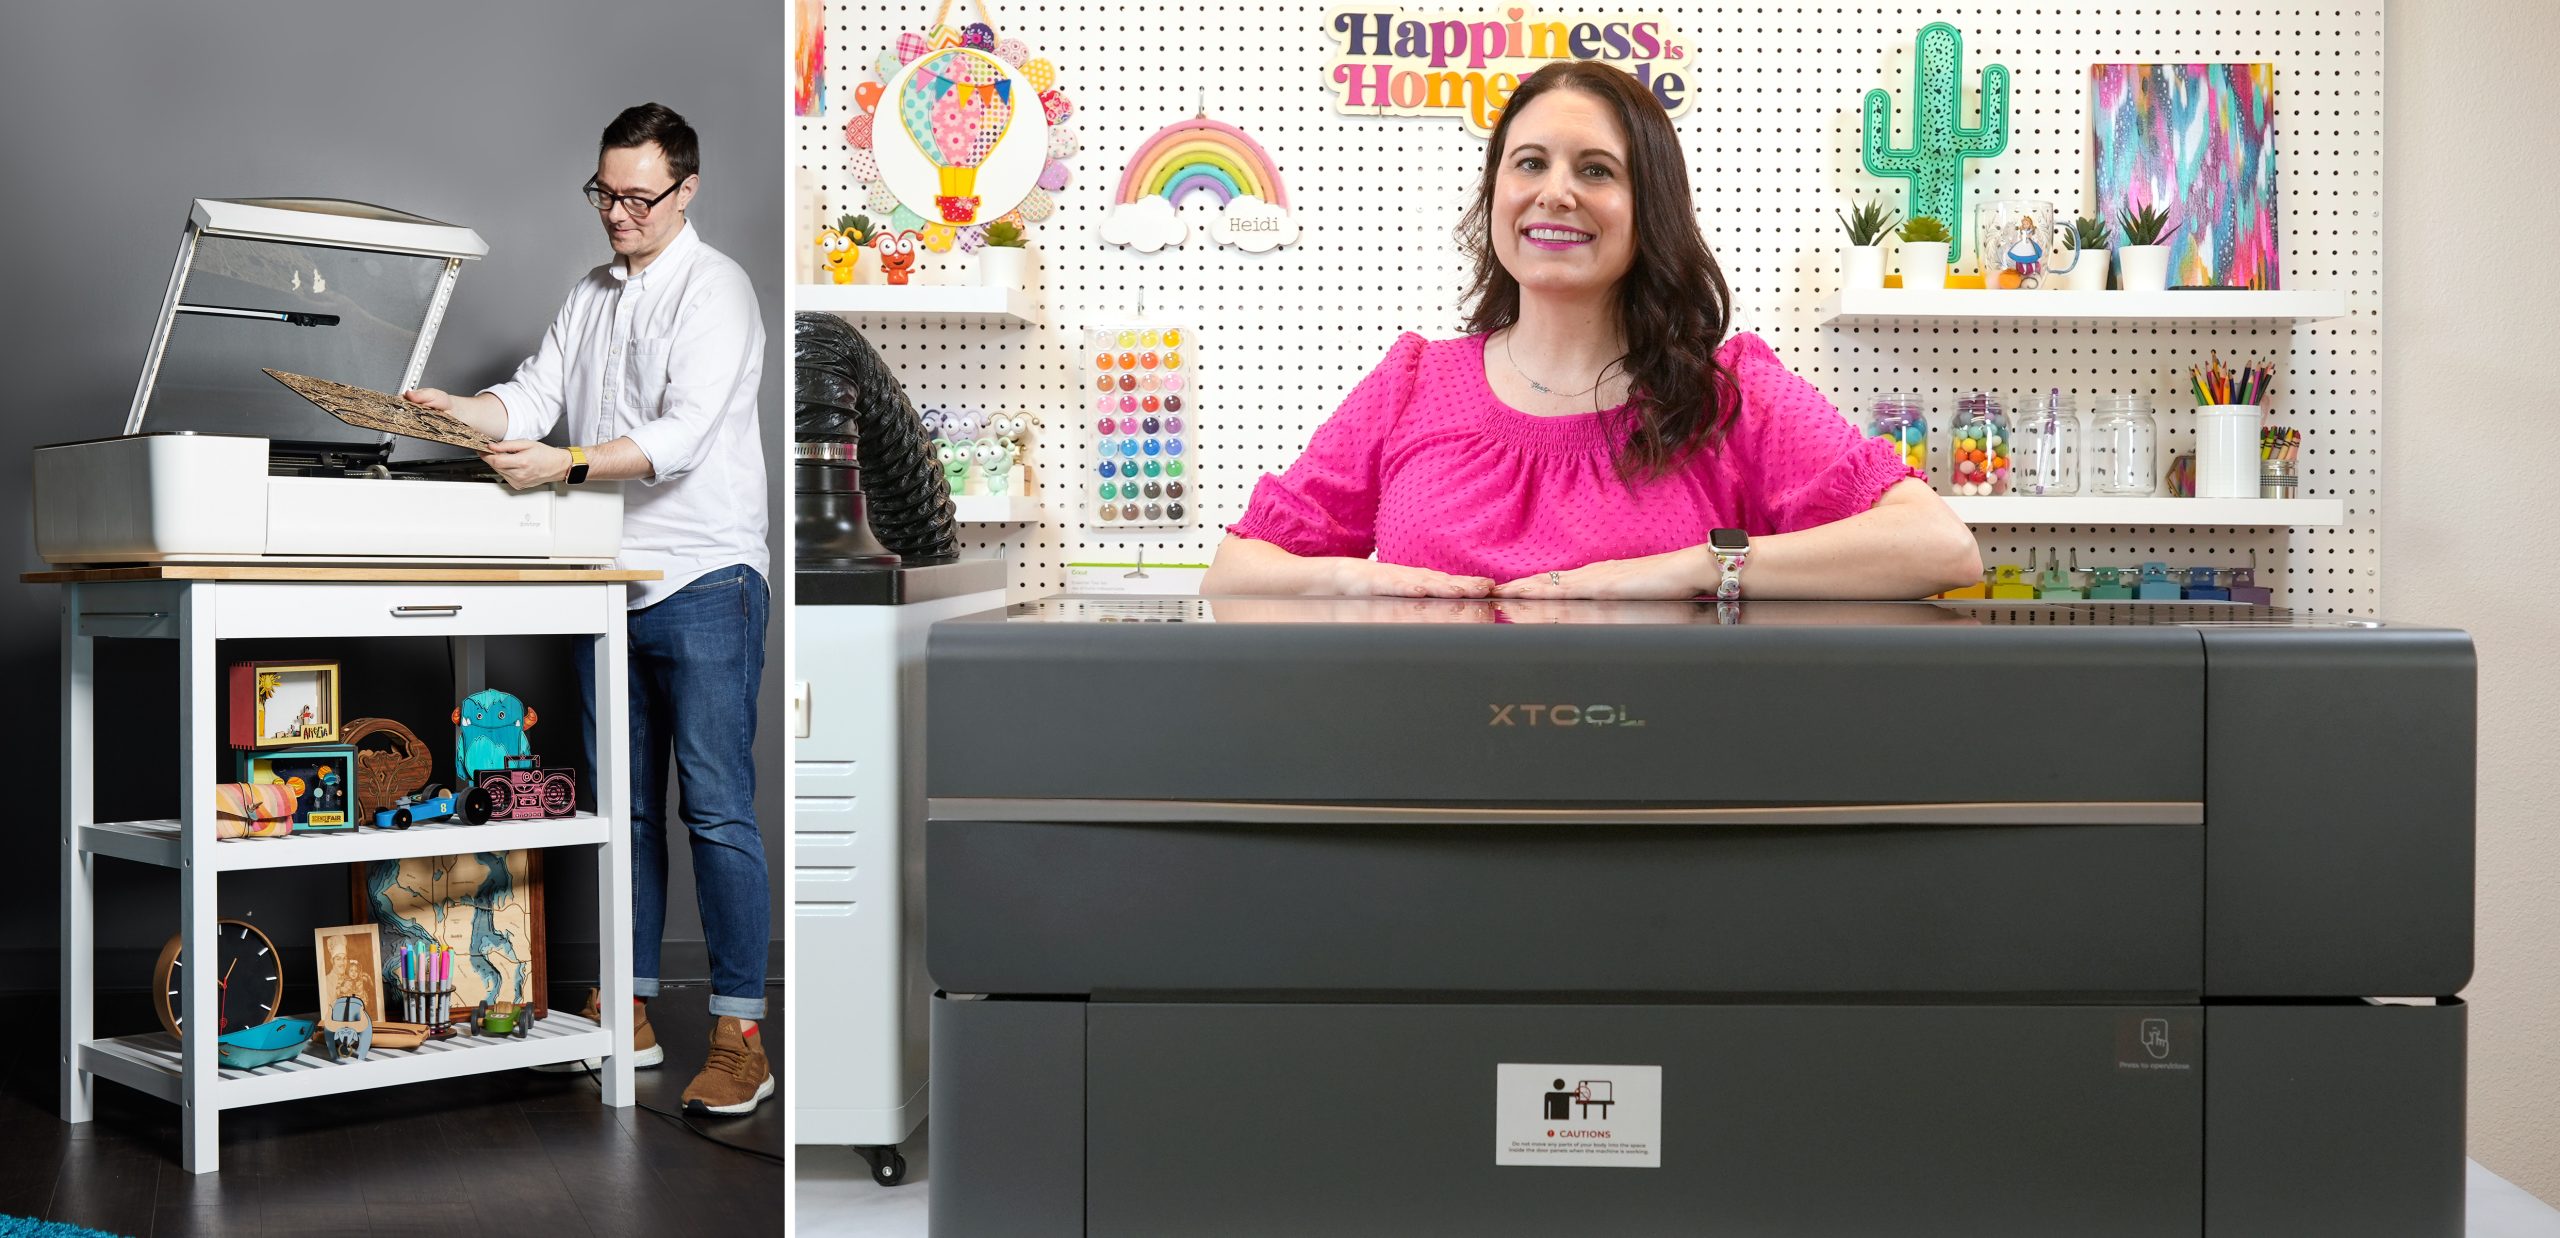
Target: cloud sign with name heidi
[1196,158]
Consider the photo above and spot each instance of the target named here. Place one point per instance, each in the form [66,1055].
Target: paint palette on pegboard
[1144,415]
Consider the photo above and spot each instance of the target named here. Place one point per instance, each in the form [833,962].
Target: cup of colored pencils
[2227,410]
[2215,384]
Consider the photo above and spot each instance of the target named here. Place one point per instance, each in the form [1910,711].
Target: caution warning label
[1594,1116]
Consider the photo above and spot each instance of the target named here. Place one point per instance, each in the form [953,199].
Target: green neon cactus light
[1934,162]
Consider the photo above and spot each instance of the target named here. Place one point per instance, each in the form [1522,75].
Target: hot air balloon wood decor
[958,129]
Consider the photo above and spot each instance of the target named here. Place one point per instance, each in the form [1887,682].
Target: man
[654,361]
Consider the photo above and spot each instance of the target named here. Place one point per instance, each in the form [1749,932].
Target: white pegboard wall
[1773,146]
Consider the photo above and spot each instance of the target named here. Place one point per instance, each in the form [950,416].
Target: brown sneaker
[645,1052]
[737,1075]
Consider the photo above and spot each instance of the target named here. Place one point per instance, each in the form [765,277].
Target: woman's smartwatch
[577,465]
[1732,549]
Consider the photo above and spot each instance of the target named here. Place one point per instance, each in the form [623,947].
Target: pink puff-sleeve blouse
[1426,467]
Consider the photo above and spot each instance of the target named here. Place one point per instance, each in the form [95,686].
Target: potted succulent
[859,229]
[1862,265]
[1004,261]
[1924,253]
[2145,258]
[2087,240]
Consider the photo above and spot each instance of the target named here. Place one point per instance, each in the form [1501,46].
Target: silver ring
[1556,579]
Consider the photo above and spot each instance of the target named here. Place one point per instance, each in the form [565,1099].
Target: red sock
[746,1027]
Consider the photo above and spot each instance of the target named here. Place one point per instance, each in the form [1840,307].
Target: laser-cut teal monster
[488,729]
[1934,162]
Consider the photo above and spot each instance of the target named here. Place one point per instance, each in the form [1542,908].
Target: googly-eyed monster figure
[960,427]
[955,465]
[995,464]
[489,730]
[933,419]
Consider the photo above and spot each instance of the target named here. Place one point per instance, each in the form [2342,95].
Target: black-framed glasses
[603,199]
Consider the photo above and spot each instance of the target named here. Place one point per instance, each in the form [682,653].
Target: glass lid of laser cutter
[252,303]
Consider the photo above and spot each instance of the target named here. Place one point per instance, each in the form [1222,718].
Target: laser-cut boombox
[524,791]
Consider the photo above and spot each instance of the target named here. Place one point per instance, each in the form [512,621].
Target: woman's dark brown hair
[1673,305]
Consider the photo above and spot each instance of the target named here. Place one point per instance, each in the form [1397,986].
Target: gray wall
[472,111]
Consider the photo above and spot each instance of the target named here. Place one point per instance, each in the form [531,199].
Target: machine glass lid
[335,290]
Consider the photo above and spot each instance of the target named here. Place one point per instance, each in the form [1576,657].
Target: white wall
[2472,156]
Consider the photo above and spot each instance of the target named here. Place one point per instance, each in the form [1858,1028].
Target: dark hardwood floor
[514,1153]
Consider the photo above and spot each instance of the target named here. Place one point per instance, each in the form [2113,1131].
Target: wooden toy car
[434,804]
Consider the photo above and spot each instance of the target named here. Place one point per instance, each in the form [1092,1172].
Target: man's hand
[1368,579]
[524,463]
[1673,575]
[484,413]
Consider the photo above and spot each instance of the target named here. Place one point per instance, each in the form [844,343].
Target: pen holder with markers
[425,1003]
[2277,449]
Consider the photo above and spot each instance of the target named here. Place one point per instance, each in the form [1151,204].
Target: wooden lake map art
[373,410]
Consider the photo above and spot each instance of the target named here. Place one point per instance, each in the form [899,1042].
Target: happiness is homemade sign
[1393,63]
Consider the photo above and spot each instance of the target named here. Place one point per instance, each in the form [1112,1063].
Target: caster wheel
[887,1167]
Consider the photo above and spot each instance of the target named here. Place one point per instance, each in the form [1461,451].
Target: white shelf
[1877,304]
[995,508]
[154,1063]
[918,301]
[2091,510]
[156,842]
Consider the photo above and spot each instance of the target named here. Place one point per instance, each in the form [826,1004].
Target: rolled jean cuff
[644,986]
[737,1007]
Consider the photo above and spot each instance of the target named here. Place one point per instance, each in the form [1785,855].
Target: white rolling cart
[198,606]
[860,993]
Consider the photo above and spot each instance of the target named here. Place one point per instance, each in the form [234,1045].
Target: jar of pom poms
[1978,445]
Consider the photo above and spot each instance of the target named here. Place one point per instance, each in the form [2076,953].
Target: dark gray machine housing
[1239,952]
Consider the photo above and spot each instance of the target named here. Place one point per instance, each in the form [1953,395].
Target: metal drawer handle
[425,612]
[127,614]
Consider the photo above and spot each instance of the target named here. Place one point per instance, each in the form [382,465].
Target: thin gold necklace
[1542,388]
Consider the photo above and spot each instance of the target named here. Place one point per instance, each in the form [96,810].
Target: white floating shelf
[996,509]
[1876,304]
[2092,510]
[156,842]
[152,1063]
[1012,305]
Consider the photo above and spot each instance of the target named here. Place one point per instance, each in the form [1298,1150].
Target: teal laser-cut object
[1934,162]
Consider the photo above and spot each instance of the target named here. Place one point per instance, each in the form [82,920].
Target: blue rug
[29,1227]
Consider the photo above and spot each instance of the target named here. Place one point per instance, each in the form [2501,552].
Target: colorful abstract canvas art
[2197,141]
[808,58]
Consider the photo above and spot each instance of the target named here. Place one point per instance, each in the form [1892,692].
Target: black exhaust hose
[844,392]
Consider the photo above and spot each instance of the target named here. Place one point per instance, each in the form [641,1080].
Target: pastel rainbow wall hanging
[1191,158]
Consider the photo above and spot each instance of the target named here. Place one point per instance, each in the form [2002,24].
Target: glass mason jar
[2048,445]
[1905,420]
[1978,445]
[2124,447]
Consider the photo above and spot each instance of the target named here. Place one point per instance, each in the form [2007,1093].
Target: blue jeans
[696,662]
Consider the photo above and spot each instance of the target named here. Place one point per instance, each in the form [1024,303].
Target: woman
[1597,424]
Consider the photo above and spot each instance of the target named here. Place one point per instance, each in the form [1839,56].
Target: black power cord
[687,1123]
